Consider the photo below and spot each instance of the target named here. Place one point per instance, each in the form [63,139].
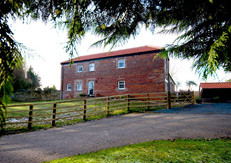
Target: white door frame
[91,84]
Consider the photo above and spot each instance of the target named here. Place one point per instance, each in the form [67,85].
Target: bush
[199,100]
[48,90]
[82,95]
[122,97]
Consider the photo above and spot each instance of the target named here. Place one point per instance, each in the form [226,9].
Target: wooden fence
[28,115]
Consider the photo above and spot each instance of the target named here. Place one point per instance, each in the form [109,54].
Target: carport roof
[218,85]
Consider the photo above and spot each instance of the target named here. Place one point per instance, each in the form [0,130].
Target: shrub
[122,97]
[82,95]
[199,100]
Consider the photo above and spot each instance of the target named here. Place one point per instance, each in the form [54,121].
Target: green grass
[214,150]
[46,114]
[96,109]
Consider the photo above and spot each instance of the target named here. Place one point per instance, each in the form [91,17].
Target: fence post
[169,100]
[54,114]
[108,106]
[30,117]
[128,103]
[147,99]
[192,96]
[84,109]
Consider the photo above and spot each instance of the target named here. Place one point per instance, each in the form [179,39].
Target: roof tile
[218,85]
[115,53]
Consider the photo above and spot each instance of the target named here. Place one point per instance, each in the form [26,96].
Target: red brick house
[216,92]
[118,72]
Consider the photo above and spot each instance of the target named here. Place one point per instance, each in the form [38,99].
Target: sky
[47,52]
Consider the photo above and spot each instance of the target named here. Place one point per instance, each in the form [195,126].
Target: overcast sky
[48,51]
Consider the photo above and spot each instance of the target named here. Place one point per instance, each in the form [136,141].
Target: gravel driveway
[209,108]
[90,136]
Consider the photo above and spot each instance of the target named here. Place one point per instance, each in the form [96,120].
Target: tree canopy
[25,80]
[204,28]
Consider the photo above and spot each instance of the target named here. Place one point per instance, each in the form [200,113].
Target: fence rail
[87,108]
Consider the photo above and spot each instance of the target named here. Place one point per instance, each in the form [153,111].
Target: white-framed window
[92,67]
[68,87]
[79,87]
[121,85]
[80,68]
[121,63]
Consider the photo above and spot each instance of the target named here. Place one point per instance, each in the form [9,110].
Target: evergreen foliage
[204,26]
[23,80]
[33,79]
[10,56]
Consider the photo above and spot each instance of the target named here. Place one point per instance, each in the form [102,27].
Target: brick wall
[141,74]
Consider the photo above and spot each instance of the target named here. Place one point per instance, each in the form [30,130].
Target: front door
[91,88]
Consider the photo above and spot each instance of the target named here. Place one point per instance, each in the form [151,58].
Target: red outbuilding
[216,92]
[115,73]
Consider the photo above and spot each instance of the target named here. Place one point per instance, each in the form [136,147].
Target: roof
[218,85]
[115,53]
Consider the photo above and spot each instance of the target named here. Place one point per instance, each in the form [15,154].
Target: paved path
[109,132]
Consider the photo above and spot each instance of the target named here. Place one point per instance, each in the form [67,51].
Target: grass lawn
[39,114]
[214,150]
[68,112]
